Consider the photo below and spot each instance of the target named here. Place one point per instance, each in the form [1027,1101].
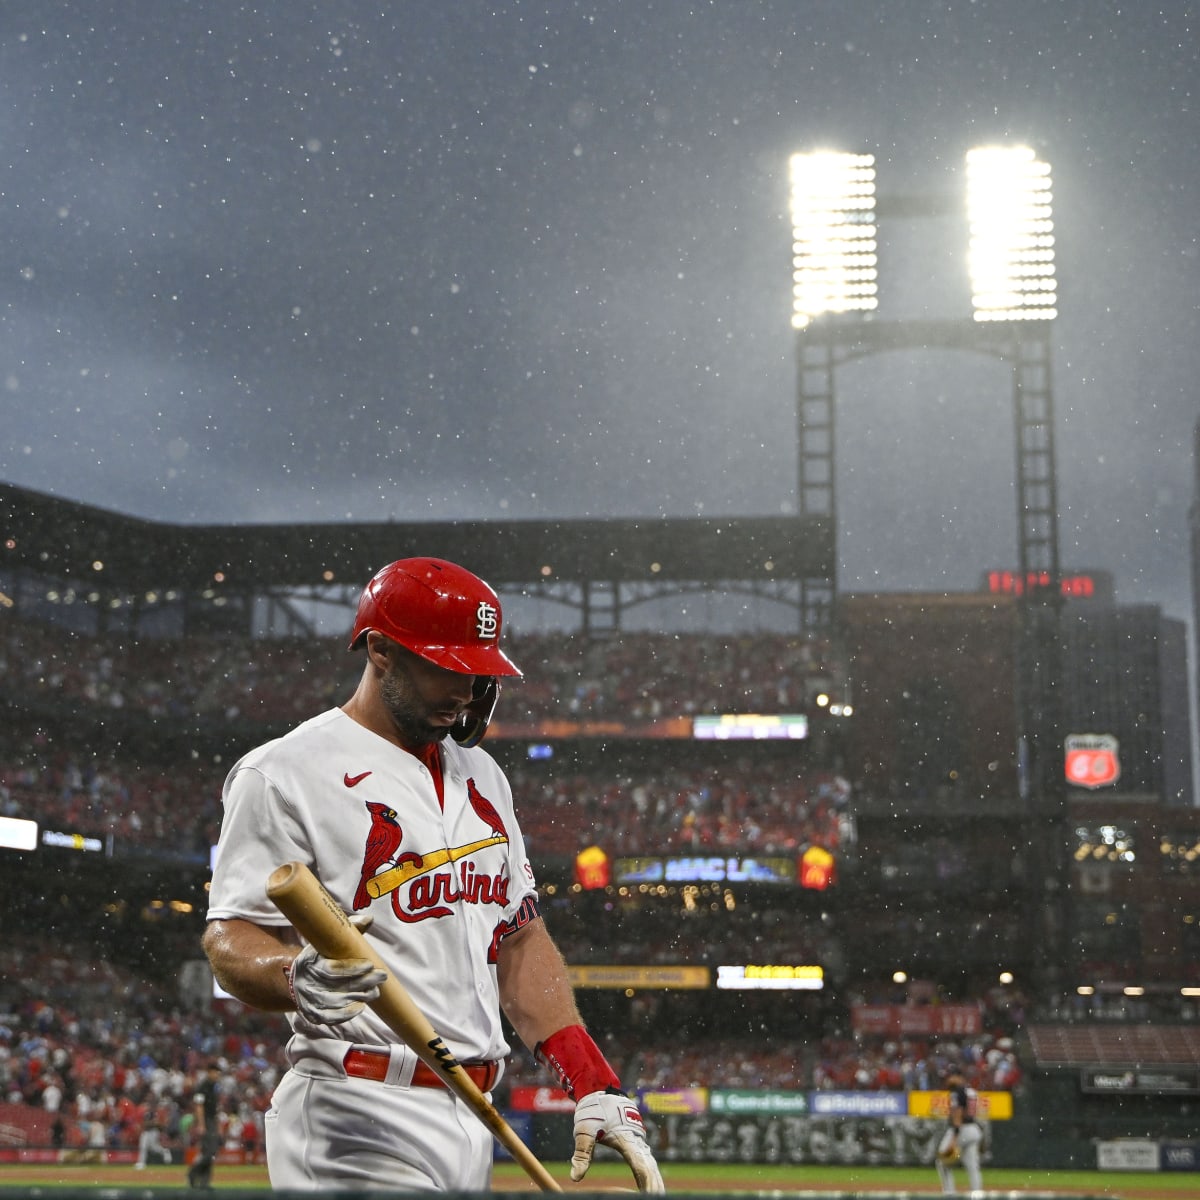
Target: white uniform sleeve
[524,884]
[259,832]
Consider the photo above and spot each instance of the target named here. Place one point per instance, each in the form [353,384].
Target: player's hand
[330,991]
[613,1119]
[948,1152]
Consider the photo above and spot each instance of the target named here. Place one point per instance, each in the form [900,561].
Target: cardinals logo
[485,810]
[418,888]
[383,840]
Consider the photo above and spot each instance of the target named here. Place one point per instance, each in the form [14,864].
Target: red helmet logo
[487,620]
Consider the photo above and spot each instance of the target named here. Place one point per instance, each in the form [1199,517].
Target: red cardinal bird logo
[383,840]
[485,810]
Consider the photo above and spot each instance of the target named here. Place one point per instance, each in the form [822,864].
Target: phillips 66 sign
[1092,760]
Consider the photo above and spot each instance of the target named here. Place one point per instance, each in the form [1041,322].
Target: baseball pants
[970,1137]
[356,1134]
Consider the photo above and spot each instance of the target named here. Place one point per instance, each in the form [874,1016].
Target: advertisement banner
[1180,1156]
[712,868]
[995,1106]
[23,1154]
[756,1138]
[522,1125]
[906,1019]
[925,1106]
[1092,760]
[860,1104]
[18,833]
[755,726]
[779,977]
[552,729]
[681,1100]
[872,1018]
[540,1100]
[639,977]
[736,1100]
[1156,1081]
[1127,1155]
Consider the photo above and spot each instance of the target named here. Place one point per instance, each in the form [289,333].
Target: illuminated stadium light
[834,256]
[1012,235]
[18,833]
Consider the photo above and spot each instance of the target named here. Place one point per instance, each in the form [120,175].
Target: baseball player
[963,1136]
[410,826]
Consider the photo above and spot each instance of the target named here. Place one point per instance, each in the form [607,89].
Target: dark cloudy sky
[465,260]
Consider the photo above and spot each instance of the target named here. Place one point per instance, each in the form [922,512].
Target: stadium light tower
[1011,252]
[1014,298]
[834,261]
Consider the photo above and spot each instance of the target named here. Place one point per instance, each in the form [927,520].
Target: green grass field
[680,1179]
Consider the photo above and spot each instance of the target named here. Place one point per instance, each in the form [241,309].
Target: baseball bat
[318,917]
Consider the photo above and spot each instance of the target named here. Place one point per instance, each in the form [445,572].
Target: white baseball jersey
[442,885]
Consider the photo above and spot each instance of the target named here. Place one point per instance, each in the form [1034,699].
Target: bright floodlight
[1012,235]
[833,235]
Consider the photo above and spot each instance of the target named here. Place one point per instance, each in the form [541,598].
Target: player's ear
[379,649]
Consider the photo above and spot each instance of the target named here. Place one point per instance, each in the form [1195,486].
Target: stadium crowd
[830,1064]
[772,809]
[634,676]
[736,805]
[93,1055]
[731,803]
[96,1055]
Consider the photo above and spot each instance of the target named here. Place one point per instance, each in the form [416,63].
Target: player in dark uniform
[963,1137]
[207,1127]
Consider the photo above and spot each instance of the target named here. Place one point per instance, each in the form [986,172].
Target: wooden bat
[390,880]
[318,917]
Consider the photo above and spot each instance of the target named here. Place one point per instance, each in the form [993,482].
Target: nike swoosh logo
[354,780]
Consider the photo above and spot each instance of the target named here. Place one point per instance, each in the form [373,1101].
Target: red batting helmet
[438,610]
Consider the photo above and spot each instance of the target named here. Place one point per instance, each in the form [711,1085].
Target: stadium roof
[68,540]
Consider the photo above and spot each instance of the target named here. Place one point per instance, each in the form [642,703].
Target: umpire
[207,1127]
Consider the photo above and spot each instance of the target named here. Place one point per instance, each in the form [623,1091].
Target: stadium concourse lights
[1011,256]
[1136,989]
[837,710]
[834,245]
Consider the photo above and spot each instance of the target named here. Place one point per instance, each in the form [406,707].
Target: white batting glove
[614,1120]
[330,991]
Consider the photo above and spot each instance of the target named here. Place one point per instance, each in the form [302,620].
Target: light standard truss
[1014,298]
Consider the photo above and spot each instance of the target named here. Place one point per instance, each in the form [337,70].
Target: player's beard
[409,713]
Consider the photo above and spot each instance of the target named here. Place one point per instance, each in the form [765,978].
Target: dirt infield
[680,1178]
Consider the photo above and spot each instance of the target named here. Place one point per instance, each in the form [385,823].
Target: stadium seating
[1111,1045]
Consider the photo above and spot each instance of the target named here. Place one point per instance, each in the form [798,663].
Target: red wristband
[577,1062]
